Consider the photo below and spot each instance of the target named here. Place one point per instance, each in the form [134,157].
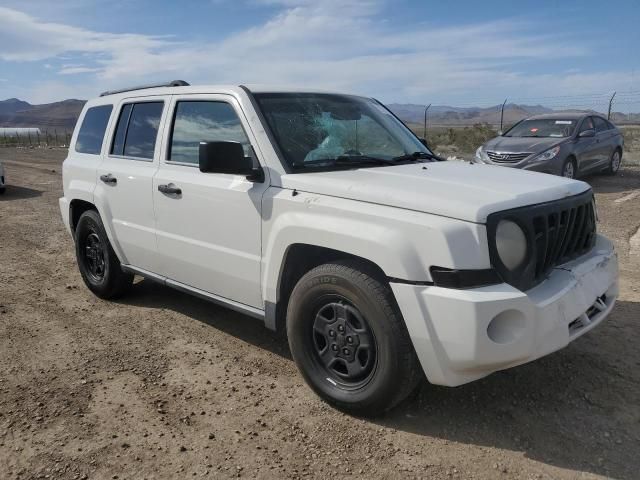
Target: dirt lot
[163,385]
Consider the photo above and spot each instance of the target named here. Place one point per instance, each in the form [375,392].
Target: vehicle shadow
[150,294]
[577,408]
[14,192]
[627,180]
[574,409]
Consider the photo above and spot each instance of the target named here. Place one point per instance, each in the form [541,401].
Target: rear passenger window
[137,130]
[91,132]
[203,121]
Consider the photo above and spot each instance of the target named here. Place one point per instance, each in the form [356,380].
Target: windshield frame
[291,168]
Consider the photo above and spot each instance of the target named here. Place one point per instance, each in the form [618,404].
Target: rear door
[125,180]
[209,235]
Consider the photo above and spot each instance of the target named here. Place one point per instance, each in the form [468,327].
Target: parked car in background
[566,144]
[2,179]
[324,214]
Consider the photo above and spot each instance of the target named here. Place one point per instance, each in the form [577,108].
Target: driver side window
[587,124]
[203,121]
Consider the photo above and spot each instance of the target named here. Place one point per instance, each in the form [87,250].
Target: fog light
[507,327]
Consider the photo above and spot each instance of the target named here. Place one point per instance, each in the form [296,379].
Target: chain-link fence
[34,138]
[458,131]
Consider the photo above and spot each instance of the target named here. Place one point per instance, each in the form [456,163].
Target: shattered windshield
[337,131]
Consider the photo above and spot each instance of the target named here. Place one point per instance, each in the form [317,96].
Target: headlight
[479,155]
[511,244]
[548,155]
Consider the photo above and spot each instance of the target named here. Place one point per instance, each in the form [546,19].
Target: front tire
[349,340]
[2,190]
[569,168]
[99,266]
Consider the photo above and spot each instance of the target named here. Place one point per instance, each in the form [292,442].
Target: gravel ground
[163,385]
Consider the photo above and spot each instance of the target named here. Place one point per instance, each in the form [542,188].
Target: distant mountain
[447,115]
[13,105]
[58,115]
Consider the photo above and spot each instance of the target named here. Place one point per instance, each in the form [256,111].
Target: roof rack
[173,83]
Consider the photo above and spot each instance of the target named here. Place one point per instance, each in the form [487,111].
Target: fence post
[502,114]
[611,105]
[55,132]
[425,120]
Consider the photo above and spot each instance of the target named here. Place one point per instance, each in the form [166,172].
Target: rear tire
[614,162]
[349,340]
[569,168]
[99,266]
[2,190]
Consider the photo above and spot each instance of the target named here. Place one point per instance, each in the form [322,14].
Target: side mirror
[587,133]
[228,157]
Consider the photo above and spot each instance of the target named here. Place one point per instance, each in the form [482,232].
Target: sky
[459,52]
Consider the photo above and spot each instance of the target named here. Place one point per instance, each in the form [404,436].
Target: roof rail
[173,83]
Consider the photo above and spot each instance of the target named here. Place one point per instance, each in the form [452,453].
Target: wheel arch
[298,259]
[76,208]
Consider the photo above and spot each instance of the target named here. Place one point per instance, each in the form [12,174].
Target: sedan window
[543,127]
[601,124]
[587,124]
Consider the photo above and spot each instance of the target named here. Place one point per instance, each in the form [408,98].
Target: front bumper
[463,335]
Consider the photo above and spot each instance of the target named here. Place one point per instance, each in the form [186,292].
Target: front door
[125,180]
[605,141]
[208,224]
[586,147]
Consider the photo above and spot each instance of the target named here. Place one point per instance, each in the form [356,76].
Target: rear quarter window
[94,125]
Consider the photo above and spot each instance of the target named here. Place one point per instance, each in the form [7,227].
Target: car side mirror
[587,133]
[228,157]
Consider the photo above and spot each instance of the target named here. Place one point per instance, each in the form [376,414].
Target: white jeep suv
[324,214]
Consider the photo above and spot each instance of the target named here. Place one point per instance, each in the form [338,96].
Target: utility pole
[502,114]
[425,120]
[611,105]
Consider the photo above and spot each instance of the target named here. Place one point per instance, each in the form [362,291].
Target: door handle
[109,179]
[170,189]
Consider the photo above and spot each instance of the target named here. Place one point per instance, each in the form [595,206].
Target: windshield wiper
[348,160]
[361,159]
[416,156]
[343,160]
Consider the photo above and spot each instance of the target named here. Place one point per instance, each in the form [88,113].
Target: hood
[452,189]
[522,144]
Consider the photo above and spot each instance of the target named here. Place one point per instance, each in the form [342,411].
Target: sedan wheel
[614,164]
[569,170]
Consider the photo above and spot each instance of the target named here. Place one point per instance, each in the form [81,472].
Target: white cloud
[343,45]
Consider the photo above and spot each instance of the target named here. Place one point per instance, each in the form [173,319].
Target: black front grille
[506,157]
[557,232]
